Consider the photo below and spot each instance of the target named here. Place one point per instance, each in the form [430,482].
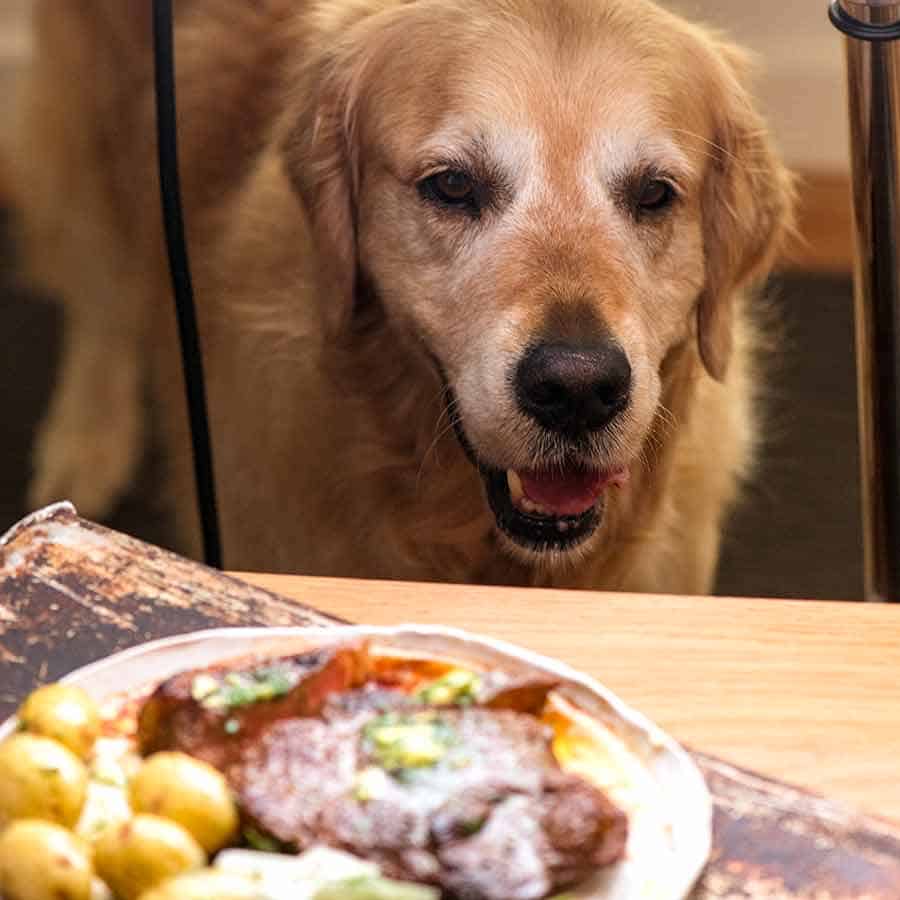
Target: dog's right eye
[451,187]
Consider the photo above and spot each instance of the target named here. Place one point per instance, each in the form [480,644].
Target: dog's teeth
[520,501]
[562,527]
[534,509]
[516,491]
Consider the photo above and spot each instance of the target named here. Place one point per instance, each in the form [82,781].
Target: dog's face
[548,198]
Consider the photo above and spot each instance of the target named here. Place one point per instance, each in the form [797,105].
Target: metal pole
[873,70]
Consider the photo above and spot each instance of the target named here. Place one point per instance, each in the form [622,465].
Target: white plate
[661,789]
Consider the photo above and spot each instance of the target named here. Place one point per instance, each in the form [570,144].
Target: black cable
[173,221]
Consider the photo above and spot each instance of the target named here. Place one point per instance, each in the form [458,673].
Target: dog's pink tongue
[563,493]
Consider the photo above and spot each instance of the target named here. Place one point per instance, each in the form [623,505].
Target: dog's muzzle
[570,392]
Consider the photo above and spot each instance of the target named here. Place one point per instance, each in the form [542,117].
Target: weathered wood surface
[72,592]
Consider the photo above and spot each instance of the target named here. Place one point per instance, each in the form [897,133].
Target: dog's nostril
[548,393]
[614,390]
[574,389]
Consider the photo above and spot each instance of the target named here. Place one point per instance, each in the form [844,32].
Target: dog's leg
[89,445]
[698,563]
[73,246]
[75,220]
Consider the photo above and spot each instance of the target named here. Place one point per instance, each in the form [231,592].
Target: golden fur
[327,288]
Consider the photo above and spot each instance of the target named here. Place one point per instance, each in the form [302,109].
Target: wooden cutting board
[72,592]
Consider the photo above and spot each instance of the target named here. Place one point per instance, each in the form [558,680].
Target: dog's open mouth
[540,510]
[548,510]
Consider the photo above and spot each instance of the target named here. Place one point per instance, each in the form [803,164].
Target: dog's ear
[340,45]
[322,162]
[747,206]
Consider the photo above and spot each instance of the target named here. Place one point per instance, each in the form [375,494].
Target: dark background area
[798,531]
[796,534]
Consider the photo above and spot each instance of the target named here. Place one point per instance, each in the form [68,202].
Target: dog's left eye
[655,195]
[451,187]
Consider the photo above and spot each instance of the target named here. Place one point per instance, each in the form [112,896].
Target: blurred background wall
[14,49]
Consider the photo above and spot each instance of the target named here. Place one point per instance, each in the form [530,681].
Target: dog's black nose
[573,388]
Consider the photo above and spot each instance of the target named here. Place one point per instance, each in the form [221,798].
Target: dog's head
[550,197]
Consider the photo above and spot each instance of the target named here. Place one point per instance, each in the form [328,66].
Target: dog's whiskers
[448,411]
[713,145]
[716,150]
[667,419]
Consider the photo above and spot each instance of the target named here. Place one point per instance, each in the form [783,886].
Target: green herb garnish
[472,826]
[414,741]
[203,687]
[458,686]
[240,689]
[256,840]
[369,887]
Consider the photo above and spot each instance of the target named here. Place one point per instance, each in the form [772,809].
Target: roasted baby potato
[187,791]
[65,713]
[40,779]
[205,884]
[137,855]
[43,861]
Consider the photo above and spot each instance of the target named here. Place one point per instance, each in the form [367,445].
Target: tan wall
[14,49]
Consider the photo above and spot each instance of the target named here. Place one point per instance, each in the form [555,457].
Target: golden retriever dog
[471,278]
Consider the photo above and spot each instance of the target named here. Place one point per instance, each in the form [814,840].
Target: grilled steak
[469,799]
[466,797]
[209,713]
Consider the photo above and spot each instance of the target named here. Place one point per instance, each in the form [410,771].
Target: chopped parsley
[375,887]
[414,741]
[256,840]
[241,689]
[472,826]
[458,686]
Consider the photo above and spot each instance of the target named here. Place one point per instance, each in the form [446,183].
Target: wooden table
[806,692]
